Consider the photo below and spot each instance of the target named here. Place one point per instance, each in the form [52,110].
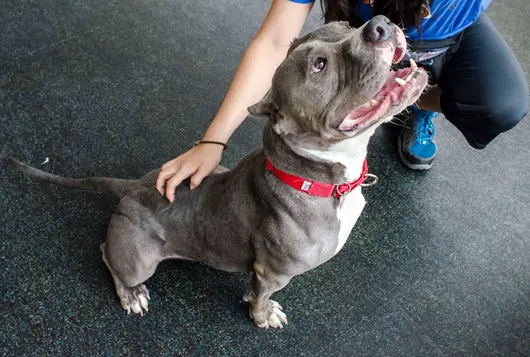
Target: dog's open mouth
[395,90]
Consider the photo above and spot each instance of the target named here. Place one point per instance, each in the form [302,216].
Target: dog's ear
[262,109]
[265,109]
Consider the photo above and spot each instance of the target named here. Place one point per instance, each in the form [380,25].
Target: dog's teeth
[409,77]
[370,104]
[366,105]
[413,64]
[400,81]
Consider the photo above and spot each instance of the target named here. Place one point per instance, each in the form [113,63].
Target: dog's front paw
[135,299]
[273,316]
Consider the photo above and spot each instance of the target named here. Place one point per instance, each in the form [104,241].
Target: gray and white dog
[285,208]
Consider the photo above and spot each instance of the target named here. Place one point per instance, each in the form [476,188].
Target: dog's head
[336,83]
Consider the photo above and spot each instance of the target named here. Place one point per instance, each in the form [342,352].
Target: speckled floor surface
[437,266]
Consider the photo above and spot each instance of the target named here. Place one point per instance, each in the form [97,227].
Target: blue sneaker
[416,145]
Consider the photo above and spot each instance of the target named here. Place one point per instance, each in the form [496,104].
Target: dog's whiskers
[398,122]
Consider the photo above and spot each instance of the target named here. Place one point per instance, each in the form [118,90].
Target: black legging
[484,89]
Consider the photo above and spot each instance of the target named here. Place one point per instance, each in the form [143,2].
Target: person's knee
[481,123]
[503,116]
[506,112]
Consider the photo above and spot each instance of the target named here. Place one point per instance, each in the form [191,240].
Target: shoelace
[426,128]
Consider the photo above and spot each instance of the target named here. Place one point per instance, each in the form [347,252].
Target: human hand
[198,163]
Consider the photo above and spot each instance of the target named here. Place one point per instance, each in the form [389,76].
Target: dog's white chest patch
[349,211]
[351,154]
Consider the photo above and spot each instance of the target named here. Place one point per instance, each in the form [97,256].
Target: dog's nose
[378,29]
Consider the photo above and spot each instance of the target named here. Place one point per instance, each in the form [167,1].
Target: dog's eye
[319,64]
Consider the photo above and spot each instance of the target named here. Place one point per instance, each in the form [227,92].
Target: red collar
[320,189]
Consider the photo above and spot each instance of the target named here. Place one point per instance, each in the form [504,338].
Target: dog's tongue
[359,116]
[377,106]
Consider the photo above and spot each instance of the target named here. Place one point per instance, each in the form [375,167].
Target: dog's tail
[106,185]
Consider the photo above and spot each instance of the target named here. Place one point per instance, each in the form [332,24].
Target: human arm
[267,50]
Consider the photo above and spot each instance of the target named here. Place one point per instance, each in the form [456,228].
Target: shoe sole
[418,167]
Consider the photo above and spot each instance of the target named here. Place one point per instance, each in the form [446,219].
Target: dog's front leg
[265,312]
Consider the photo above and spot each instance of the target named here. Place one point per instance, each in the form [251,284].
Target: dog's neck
[339,162]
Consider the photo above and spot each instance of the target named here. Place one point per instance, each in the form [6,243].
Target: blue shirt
[449,17]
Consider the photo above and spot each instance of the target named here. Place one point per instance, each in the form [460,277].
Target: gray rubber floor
[437,266]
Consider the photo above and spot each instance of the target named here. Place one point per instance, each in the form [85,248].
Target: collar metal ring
[373,181]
